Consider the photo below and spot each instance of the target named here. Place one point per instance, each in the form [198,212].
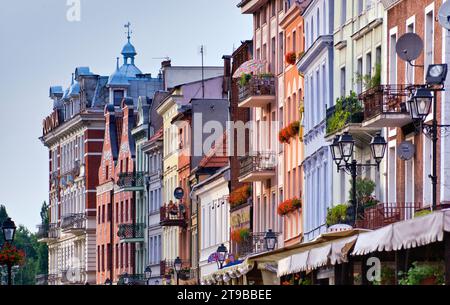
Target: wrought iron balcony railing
[259,162]
[48,231]
[168,267]
[131,181]
[73,222]
[72,275]
[257,86]
[255,243]
[386,100]
[41,279]
[131,231]
[132,279]
[384,214]
[173,215]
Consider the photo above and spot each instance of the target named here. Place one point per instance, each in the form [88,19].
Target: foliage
[240,235]
[370,81]
[346,109]
[289,206]
[291,131]
[45,220]
[422,213]
[240,196]
[364,190]
[245,78]
[387,276]
[3,217]
[36,254]
[10,255]
[291,57]
[337,214]
[420,272]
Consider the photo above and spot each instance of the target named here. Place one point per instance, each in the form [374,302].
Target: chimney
[226,72]
[166,63]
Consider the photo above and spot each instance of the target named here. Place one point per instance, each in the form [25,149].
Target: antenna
[129,31]
[202,51]
[444,15]
[409,47]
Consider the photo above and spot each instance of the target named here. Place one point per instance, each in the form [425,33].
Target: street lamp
[148,274]
[9,231]
[221,255]
[177,265]
[270,240]
[342,149]
[421,103]
[420,107]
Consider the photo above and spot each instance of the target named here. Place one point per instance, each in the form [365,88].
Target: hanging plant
[291,57]
[240,196]
[10,255]
[289,206]
[286,134]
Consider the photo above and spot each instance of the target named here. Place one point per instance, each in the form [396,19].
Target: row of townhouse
[202,176]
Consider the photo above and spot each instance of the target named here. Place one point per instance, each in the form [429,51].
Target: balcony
[73,223]
[173,215]
[384,214]
[47,232]
[168,268]
[258,92]
[132,280]
[41,279]
[72,276]
[386,106]
[131,233]
[131,181]
[254,244]
[259,166]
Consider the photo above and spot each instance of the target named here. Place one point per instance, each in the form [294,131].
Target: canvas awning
[317,255]
[407,234]
[228,273]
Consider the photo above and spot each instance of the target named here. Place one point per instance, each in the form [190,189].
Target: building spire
[129,31]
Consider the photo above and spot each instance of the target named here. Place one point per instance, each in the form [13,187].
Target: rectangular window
[360,6]
[99,262]
[343,76]
[109,256]
[117,256]
[103,213]
[369,64]
[281,53]
[273,59]
[359,67]
[429,37]
[103,257]
[109,212]
[393,59]
[343,11]
[274,8]
[409,69]
[294,41]
[118,96]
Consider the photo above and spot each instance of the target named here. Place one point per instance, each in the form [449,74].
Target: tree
[44,214]
[3,216]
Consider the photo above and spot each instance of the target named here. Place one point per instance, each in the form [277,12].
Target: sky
[40,47]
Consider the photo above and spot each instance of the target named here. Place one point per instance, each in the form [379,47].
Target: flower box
[289,206]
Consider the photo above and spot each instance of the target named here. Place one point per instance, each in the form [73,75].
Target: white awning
[315,256]
[407,234]
[228,273]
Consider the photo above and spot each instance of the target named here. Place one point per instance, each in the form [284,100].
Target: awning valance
[228,273]
[407,234]
[315,255]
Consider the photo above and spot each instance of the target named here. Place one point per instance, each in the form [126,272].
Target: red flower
[240,196]
[291,57]
[289,206]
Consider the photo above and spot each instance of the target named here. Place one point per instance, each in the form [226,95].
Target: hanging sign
[406,150]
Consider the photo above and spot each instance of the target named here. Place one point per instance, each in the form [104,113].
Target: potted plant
[240,196]
[289,206]
[337,214]
[245,79]
[291,57]
[422,274]
[10,255]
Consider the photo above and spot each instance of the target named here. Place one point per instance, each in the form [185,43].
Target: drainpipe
[111,236]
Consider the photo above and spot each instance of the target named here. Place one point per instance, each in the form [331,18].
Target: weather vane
[128,27]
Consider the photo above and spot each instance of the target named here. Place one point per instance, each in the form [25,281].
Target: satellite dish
[409,47]
[444,15]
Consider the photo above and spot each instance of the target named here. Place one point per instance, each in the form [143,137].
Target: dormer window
[118,97]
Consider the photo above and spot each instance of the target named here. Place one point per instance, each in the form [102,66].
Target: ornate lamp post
[270,240]
[342,150]
[222,255]
[177,265]
[420,106]
[9,232]
[148,274]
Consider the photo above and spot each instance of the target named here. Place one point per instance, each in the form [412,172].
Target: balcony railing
[72,275]
[131,181]
[258,92]
[73,222]
[131,231]
[168,267]
[258,166]
[386,106]
[132,279]
[47,231]
[173,215]
[41,279]
[254,244]
[385,214]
